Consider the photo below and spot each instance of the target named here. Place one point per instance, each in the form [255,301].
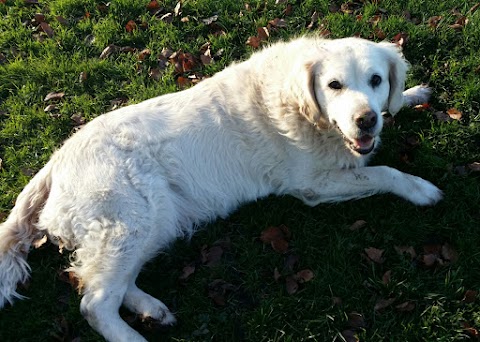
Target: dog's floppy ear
[309,106]
[398,72]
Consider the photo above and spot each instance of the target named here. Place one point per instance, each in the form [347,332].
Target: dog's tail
[17,234]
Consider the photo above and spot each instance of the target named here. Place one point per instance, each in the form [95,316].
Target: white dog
[299,118]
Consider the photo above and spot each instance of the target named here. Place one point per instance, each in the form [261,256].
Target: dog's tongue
[364,142]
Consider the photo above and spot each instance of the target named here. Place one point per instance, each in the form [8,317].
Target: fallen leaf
[356,320]
[288,10]
[213,256]
[434,21]
[405,307]
[254,42]
[470,296]
[454,114]
[400,39]
[448,253]
[153,5]
[387,277]
[144,54]
[474,8]
[471,331]
[382,304]
[183,82]
[155,73]
[78,119]
[290,262]
[82,77]
[50,108]
[262,33]
[291,285]
[358,225]
[313,20]
[108,51]
[422,107]
[336,301]
[39,18]
[47,29]
[475,166]
[53,96]
[304,276]
[429,260]
[217,291]
[349,335]
[178,9]
[130,26]
[277,22]
[271,234]
[375,254]
[187,271]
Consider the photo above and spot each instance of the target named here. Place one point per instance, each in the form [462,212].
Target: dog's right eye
[335,85]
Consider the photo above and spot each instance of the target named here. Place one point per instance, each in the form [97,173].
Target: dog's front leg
[342,185]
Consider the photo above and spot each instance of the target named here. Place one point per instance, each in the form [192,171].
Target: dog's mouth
[363,144]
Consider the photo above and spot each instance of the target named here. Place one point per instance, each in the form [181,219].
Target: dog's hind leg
[105,277]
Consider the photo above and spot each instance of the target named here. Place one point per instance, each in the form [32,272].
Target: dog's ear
[310,107]
[398,72]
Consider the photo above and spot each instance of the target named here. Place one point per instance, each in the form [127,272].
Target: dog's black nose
[366,120]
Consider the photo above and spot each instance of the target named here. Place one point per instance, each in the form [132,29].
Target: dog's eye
[335,85]
[375,81]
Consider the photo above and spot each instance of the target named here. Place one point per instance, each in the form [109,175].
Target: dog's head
[351,83]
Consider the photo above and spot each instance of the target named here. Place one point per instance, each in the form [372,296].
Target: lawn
[378,269]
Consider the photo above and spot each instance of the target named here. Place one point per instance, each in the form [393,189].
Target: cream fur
[131,181]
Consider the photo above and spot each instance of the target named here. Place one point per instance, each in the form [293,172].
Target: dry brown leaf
[474,8]
[288,10]
[53,96]
[382,304]
[277,22]
[470,331]
[455,114]
[470,296]
[50,108]
[387,276]
[304,276]
[280,246]
[187,271]
[349,335]
[47,29]
[271,234]
[130,26]
[183,82]
[358,225]
[82,77]
[313,20]
[262,33]
[434,21]
[475,166]
[337,301]
[375,254]
[400,39]
[290,262]
[291,285]
[78,119]
[108,51]
[448,253]
[429,260]
[254,42]
[405,307]
[422,107]
[356,320]
[153,5]
[155,74]
[144,54]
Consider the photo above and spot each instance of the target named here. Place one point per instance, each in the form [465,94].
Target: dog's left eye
[375,80]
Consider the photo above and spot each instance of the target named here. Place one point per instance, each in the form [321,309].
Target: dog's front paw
[417,95]
[420,192]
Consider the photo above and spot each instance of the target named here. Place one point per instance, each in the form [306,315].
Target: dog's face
[353,83]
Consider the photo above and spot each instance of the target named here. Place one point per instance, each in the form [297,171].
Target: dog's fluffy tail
[17,234]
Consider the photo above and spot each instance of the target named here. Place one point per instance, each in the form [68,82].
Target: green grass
[259,308]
